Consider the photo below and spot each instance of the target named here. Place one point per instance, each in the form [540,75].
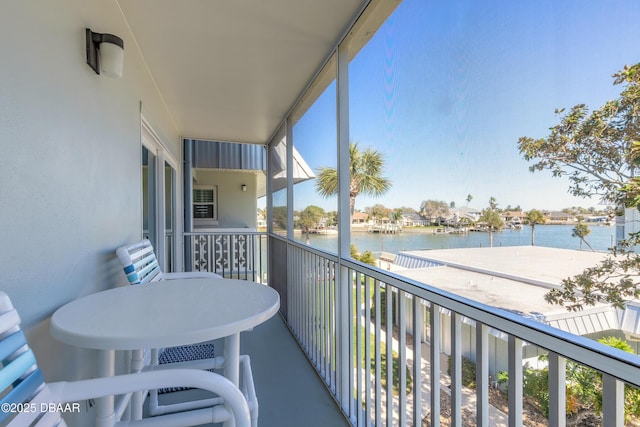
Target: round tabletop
[164,314]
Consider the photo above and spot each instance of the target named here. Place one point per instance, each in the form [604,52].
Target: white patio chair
[26,400]
[141,266]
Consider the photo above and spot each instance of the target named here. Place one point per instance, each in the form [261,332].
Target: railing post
[482,375]
[344,337]
[557,390]
[389,353]
[367,348]
[357,306]
[515,381]
[378,339]
[456,370]
[434,343]
[612,402]
[402,355]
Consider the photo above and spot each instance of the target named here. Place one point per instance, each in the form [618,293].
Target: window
[205,205]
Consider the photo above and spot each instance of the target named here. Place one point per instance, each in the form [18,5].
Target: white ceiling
[230,70]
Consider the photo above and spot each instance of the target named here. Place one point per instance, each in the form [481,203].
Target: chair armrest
[191,275]
[74,391]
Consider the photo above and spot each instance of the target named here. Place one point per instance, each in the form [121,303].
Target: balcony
[76,186]
[343,332]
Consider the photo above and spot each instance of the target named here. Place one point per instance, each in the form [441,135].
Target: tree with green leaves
[586,383]
[492,219]
[598,152]
[434,209]
[592,148]
[280,217]
[310,217]
[378,211]
[581,231]
[493,203]
[364,257]
[365,176]
[534,217]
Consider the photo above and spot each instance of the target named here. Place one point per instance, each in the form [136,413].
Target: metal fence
[230,254]
[351,320]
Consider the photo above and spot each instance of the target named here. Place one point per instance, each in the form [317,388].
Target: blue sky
[445,89]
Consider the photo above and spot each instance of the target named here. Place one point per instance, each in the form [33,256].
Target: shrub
[587,383]
[395,371]
[468,372]
[536,386]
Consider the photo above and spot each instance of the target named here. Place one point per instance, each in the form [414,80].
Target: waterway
[601,238]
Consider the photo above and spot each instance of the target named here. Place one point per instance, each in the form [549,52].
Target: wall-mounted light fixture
[105,53]
[244,187]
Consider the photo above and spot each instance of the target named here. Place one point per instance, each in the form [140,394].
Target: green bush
[587,383]
[536,386]
[468,372]
[383,306]
[396,373]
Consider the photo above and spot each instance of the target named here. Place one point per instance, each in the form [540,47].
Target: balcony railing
[351,319]
[236,255]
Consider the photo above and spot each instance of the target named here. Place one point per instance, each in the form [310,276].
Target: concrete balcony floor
[290,393]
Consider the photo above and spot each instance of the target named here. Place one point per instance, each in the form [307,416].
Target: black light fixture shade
[94,42]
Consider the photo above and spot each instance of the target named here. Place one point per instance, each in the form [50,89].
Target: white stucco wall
[235,207]
[70,179]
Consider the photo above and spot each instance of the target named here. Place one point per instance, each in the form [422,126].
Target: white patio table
[164,314]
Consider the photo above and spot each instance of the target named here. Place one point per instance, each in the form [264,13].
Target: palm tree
[582,230]
[534,217]
[365,168]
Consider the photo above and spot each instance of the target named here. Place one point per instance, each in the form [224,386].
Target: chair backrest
[20,378]
[139,262]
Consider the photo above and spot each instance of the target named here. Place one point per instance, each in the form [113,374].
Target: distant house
[514,216]
[413,219]
[559,217]
[464,214]
[359,218]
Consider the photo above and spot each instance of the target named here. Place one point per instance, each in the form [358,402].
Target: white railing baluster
[367,348]
[297,283]
[333,336]
[557,390]
[292,275]
[306,305]
[378,358]
[315,310]
[515,381]
[417,361]
[345,346]
[402,355]
[612,402]
[456,370]
[434,355]
[323,318]
[389,352]
[358,331]
[482,375]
